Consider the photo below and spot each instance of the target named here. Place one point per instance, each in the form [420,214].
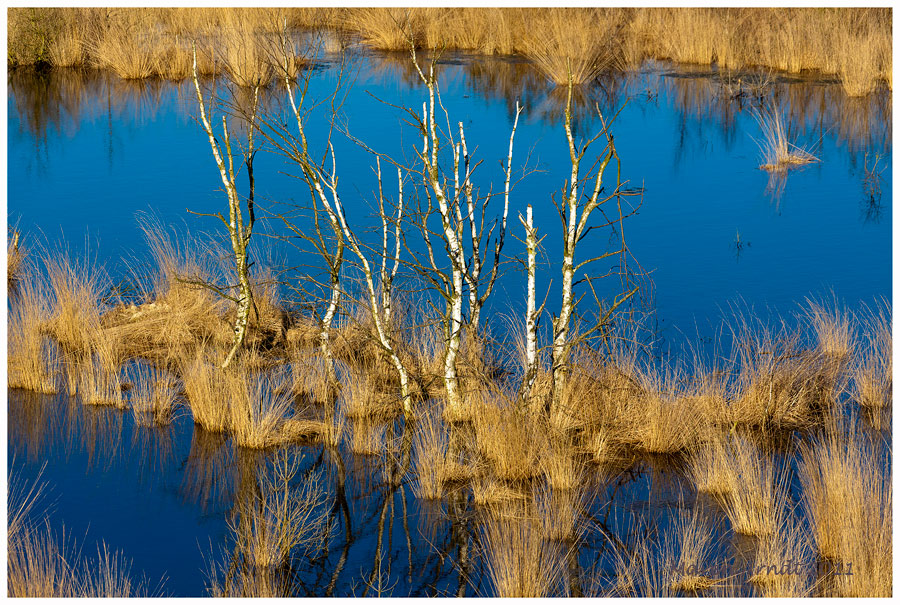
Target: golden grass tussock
[258,406]
[32,359]
[177,314]
[757,495]
[574,44]
[833,327]
[710,467]
[668,561]
[519,561]
[848,496]
[494,494]
[126,50]
[367,437]
[660,419]
[76,289]
[99,382]
[783,565]
[558,511]
[561,465]
[778,384]
[281,515]
[153,394]
[778,152]
[872,371]
[207,394]
[510,441]
[430,456]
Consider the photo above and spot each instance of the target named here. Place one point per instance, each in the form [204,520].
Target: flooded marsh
[396,324]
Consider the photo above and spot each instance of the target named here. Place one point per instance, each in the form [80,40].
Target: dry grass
[778,384]
[152,395]
[494,494]
[558,512]
[564,43]
[847,495]
[561,467]
[758,490]
[661,420]
[280,515]
[204,384]
[76,289]
[430,455]
[853,43]
[510,441]
[40,565]
[520,562]
[258,406]
[835,336]
[690,552]
[778,153]
[872,373]
[32,361]
[710,468]
[788,545]
[99,383]
[127,51]
[176,315]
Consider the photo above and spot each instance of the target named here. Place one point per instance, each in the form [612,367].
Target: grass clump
[32,361]
[757,489]
[872,372]
[778,153]
[847,496]
[153,394]
[520,562]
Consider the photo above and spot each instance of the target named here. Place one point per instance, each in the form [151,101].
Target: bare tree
[239,230]
[575,214]
[465,269]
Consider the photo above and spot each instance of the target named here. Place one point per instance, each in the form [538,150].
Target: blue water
[708,233]
[87,152]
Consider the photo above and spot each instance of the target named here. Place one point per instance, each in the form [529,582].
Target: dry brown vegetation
[40,564]
[853,43]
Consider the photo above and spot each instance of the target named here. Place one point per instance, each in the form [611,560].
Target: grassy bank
[852,44]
